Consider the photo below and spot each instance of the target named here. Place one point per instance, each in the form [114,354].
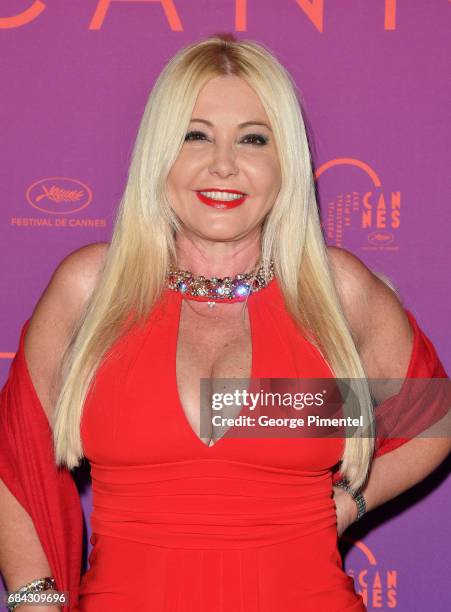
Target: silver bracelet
[35,586]
[357,497]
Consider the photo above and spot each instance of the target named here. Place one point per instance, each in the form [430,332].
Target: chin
[219,235]
[218,231]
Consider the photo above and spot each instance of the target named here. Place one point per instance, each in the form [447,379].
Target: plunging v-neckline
[178,298]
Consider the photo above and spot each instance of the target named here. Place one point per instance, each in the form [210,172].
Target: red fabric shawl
[28,469]
[49,494]
[417,406]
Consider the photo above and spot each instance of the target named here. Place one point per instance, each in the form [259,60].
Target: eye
[256,139]
[194,135]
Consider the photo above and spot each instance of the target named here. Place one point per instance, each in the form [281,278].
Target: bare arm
[22,558]
[384,340]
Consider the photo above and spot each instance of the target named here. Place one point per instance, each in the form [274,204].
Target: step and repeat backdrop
[75,76]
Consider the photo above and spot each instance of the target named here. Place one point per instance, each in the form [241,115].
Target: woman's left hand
[346,509]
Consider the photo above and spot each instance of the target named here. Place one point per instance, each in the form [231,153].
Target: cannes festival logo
[59,195]
[377,585]
[358,211]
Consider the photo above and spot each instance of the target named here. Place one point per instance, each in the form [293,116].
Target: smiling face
[227,175]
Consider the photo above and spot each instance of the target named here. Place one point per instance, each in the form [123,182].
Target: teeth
[221,195]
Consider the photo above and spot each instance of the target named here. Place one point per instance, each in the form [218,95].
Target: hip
[302,573]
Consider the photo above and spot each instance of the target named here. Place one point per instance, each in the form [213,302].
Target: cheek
[179,175]
[268,186]
[273,169]
[266,177]
[174,189]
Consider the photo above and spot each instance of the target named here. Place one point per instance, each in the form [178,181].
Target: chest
[144,405]
[210,346]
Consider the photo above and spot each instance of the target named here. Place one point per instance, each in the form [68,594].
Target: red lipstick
[221,204]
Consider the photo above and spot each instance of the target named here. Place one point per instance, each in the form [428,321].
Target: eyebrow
[240,125]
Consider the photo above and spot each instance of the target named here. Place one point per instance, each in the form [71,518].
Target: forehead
[228,97]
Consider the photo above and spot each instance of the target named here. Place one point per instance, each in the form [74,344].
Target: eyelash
[263,139]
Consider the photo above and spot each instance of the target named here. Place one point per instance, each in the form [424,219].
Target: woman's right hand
[346,509]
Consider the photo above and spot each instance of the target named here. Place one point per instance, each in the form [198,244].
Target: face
[227,175]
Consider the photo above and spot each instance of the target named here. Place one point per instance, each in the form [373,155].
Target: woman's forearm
[22,558]
[392,474]
[395,472]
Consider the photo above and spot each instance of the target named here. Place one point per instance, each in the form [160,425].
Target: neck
[220,259]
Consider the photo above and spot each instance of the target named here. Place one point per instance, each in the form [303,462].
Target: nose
[223,161]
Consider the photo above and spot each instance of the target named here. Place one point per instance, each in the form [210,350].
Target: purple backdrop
[75,79]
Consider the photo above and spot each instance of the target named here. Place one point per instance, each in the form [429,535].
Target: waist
[210,503]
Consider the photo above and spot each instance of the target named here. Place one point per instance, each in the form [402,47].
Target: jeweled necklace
[216,289]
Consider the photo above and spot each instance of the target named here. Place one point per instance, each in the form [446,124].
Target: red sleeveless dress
[245,525]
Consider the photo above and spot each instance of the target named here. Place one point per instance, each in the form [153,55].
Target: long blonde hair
[143,243]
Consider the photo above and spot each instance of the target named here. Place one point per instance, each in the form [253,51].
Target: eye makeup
[257,139]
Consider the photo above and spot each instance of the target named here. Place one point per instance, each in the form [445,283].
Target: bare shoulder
[56,314]
[375,315]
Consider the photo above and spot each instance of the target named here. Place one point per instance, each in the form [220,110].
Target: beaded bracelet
[357,497]
[35,586]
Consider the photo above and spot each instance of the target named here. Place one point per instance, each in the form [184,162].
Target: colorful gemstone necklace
[216,289]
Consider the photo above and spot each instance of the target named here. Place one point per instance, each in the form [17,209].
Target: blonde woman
[217,269]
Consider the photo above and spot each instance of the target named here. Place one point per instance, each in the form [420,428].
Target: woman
[184,518]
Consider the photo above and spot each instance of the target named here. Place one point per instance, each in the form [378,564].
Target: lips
[221,204]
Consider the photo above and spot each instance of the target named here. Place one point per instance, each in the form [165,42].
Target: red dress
[233,566]
[246,525]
